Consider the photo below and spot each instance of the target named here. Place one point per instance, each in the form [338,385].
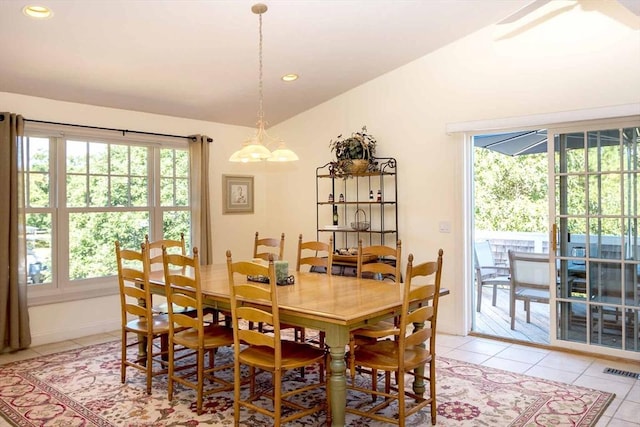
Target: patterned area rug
[82,388]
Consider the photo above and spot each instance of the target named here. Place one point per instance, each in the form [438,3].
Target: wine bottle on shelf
[335,215]
[371,195]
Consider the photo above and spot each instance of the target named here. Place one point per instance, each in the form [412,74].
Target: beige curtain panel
[200,197]
[14,315]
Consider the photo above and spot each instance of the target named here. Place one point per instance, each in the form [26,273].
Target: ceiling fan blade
[632,5]
[524,11]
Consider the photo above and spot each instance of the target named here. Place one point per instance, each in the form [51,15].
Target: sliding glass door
[595,236]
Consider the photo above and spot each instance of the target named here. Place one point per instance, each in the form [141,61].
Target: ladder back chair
[386,265]
[135,300]
[182,284]
[382,270]
[322,256]
[262,351]
[409,353]
[261,247]
[155,249]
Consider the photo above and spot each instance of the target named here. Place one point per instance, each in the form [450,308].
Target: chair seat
[379,330]
[540,295]
[383,355]
[214,336]
[160,324]
[294,355]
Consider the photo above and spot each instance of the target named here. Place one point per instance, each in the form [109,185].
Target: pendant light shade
[255,149]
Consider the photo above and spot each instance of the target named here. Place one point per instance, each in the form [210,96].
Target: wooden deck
[495,321]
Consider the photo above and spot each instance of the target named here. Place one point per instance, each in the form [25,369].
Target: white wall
[547,69]
[544,70]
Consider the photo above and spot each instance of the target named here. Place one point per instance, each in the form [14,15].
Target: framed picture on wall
[237,194]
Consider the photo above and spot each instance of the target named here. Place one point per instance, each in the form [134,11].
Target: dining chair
[147,326]
[530,281]
[182,287]
[315,254]
[155,249]
[177,246]
[261,250]
[262,351]
[261,247]
[488,272]
[410,353]
[385,266]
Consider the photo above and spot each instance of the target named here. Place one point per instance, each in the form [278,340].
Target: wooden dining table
[333,304]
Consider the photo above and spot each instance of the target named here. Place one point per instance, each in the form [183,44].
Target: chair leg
[401,404]
[432,390]
[352,356]
[123,357]
[149,361]
[171,370]
[493,297]
[479,297]
[200,385]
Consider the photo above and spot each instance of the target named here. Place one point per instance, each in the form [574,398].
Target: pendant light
[255,149]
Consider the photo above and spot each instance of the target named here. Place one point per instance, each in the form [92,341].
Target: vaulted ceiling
[199,59]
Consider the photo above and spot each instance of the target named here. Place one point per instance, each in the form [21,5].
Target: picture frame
[237,194]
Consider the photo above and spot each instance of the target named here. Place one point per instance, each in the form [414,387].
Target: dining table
[330,303]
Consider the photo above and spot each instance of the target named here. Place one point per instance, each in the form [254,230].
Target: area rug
[82,388]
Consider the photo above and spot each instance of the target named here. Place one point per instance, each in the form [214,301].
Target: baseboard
[48,337]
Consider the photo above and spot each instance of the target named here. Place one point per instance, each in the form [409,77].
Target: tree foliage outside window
[510,192]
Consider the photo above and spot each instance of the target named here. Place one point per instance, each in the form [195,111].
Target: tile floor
[581,370]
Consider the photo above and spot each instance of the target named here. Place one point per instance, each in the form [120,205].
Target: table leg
[337,338]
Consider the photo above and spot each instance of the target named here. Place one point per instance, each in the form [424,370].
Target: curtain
[14,314]
[200,198]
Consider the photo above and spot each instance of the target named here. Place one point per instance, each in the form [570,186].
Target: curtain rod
[124,131]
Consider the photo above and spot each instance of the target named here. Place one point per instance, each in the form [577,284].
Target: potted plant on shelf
[354,154]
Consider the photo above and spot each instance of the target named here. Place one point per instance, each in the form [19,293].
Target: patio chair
[488,273]
[529,281]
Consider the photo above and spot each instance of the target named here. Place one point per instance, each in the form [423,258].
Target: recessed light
[38,12]
[289,77]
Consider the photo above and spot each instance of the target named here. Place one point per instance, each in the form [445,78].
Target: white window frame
[61,288]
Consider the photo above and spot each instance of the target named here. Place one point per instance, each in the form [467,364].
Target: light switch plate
[444,226]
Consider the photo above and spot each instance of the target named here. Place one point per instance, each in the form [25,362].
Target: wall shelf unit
[356,191]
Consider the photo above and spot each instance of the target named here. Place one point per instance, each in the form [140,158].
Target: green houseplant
[354,153]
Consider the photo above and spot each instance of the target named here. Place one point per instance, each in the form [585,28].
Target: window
[83,192]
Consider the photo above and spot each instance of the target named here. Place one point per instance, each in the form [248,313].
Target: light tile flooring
[581,370]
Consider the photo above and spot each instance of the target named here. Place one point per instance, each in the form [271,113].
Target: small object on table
[282,271]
